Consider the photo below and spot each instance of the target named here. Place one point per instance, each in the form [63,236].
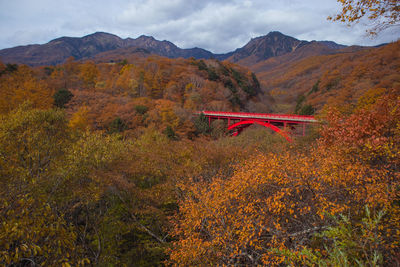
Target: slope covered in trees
[73,196]
[104,164]
[152,91]
[339,78]
[284,207]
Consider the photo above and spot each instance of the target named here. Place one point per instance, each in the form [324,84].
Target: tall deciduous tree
[89,74]
[21,85]
[33,232]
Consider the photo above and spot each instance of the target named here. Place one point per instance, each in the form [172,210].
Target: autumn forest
[105,162]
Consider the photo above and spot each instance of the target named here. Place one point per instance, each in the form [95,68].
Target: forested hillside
[107,162]
[153,91]
[340,78]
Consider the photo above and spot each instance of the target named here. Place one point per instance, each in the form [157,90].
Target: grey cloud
[216,25]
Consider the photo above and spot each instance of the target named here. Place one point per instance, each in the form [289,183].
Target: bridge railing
[259,115]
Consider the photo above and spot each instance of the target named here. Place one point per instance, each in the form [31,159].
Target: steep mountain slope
[264,47]
[276,44]
[147,45]
[338,78]
[314,48]
[166,48]
[58,50]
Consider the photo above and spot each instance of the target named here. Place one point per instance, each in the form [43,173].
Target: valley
[108,158]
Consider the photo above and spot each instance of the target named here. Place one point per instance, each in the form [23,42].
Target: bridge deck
[261,116]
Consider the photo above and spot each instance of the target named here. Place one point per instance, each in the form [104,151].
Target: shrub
[62,97]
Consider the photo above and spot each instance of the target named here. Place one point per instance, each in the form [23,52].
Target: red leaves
[371,133]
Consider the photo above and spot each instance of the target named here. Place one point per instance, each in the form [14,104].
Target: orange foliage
[384,13]
[79,119]
[22,85]
[88,74]
[174,88]
[350,72]
[274,202]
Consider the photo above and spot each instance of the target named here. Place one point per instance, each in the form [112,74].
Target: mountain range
[102,46]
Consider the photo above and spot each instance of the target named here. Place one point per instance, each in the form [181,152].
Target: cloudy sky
[216,25]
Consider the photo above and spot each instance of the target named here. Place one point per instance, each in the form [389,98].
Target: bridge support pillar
[238,121]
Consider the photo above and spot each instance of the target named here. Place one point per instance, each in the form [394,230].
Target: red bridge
[280,123]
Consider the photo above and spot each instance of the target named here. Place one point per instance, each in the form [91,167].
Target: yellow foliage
[89,74]
[79,119]
[384,13]
[21,86]
[164,113]
[32,231]
[369,98]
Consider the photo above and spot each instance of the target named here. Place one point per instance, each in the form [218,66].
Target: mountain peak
[146,37]
[261,48]
[102,34]
[275,33]
[56,51]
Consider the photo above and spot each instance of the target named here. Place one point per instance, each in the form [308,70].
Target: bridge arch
[243,124]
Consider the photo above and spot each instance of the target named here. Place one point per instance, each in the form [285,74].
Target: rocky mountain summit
[58,50]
